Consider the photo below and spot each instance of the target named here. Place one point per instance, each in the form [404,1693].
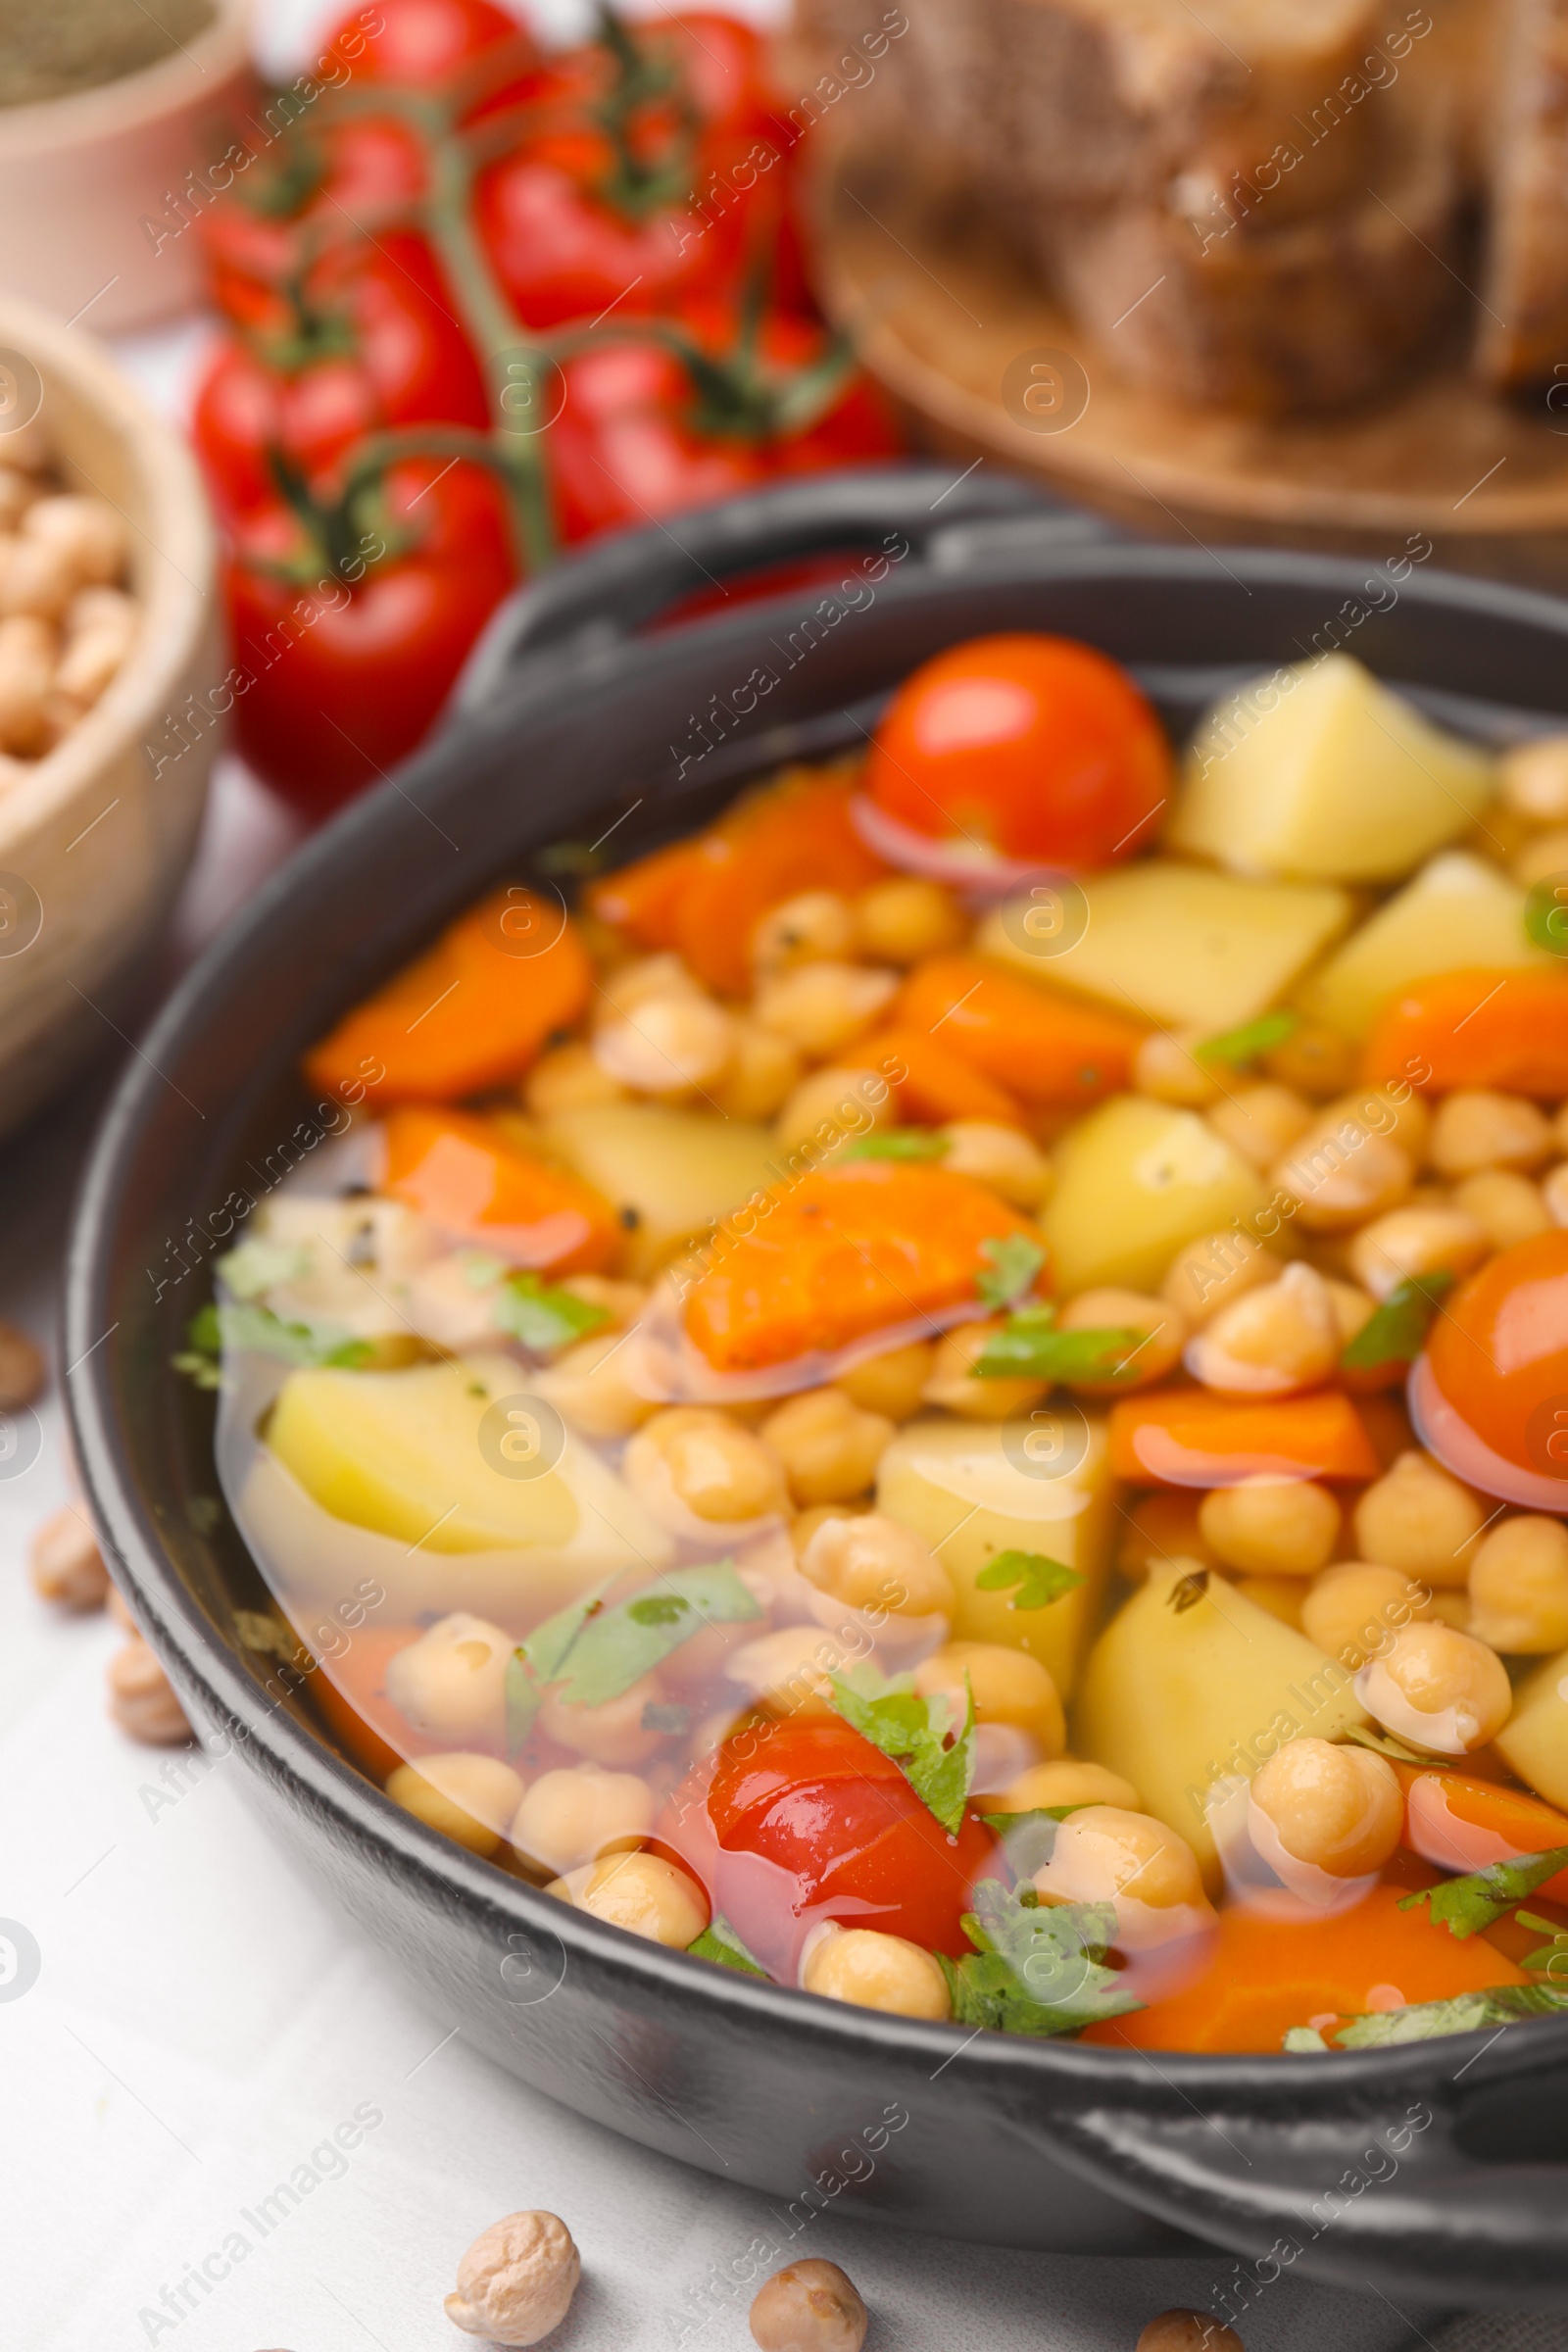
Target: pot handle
[1451,2197]
[623,583]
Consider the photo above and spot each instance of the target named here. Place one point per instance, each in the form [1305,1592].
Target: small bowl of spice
[114,119]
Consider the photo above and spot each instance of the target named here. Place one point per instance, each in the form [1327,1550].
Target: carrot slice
[1192,1437]
[350,1693]
[813,1265]
[462,1174]
[1052,1051]
[1506,1029]
[644,900]
[1266,1974]
[938,1084]
[472,1012]
[796,835]
[1463,1824]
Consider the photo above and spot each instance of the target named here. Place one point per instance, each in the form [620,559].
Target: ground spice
[49,50]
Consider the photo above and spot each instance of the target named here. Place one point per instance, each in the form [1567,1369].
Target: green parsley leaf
[255,1264]
[901,1143]
[719,1944]
[595,1652]
[1029,1839]
[914,1731]
[1015,1260]
[1303,2037]
[543,1315]
[1238,1046]
[1427,2021]
[1547,1958]
[1040,1581]
[1466,1905]
[1384,1744]
[214,1329]
[1396,1331]
[1029,1347]
[1037,1968]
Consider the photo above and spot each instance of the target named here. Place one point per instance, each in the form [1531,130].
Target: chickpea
[86,532]
[571,1078]
[1261,1121]
[1343,1171]
[1270,1342]
[1449,1608]
[451,1684]
[1215,1271]
[1352,1307]
[893,1384]
[1160,1528]
[1167,1067]
[787,1671]
[804,1524]
[613,1734]
[668,1046]
[1108,1855]
[1188,2331]
[26,675]
[845,1102]
[874,1563]
[1010,1687]
[64,1564]
[1476,1128]
[1066,1781]
[903,920]
[1141,1361]
[999,1156]
[815,927]
[952,1383]
[821,1007]
[1519,1587]
[1338,1808]
[100,629]
[1400,1113]
[37,579]
[1418,1518]
[17,494]
[142,1699]
[591,1388]
[697,1459]
[1281,1595]
[829,1447]
[641,1892]
[1408,1241]
[1439,1690]
[516,2280]
[808,2307]
[1543,854]
[469,1798]
[763,1072]
[1271,1527]
[572,1817]
[1533,780]
[1315,1060]
[1554,1194]
[1508,1209]
[1356,1609]
[873,1971]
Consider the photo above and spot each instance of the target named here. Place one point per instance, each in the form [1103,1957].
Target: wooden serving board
[985,364]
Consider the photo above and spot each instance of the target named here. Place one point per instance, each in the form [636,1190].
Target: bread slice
[1523,334]
[1312,313]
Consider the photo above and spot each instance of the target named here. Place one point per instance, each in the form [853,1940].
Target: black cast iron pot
[1435,2169]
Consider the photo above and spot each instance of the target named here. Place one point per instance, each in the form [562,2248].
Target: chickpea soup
[953,1391]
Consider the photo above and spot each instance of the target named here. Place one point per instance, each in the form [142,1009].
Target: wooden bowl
[98,191]
[988,365]
[95,837]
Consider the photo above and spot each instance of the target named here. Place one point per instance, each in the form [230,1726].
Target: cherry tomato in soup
[1491,1395]
[804,1821]
[1038,747]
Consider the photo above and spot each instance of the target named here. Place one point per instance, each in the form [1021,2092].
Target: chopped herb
[1029,1839]
[595,1652]
[1426,2021]
[214,1329]
[256,1265]
[543,1315]
[1396,1331]
[1015,1260]
[1030,1347]
[1547,1958]
[901,1143]
[1300,2038]
[1386,1744]
[1466,1905]
[1037,1968]
[719,1944]
[1239,1045]
[1040,1581]
[915,1731]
